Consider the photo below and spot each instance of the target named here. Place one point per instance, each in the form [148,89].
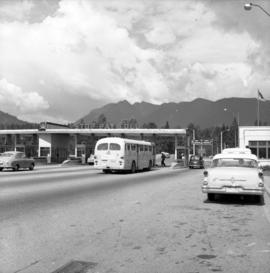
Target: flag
[260,96]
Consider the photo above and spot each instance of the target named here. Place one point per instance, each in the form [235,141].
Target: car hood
[4,159]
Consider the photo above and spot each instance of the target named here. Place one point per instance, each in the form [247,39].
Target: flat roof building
[59,142]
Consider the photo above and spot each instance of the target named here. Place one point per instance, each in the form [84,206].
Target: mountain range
[201,112]
[8,121]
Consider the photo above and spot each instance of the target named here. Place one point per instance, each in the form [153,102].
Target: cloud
[89,57]
[15,101]
[15,10]
[161,35]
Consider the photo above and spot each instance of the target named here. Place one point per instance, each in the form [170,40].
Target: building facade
[257,138]
[56,144]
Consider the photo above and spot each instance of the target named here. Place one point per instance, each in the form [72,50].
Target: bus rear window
[114,147]
[102,147]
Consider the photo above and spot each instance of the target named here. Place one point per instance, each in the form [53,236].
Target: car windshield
[235,162]
[195,157]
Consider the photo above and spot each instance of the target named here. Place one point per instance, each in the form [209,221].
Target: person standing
[163,160]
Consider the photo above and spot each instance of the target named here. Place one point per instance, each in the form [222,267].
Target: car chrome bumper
[196,166]
[233,190]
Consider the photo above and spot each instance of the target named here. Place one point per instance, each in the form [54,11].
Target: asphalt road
[156,221]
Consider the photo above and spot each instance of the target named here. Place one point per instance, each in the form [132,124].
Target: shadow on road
[236,200]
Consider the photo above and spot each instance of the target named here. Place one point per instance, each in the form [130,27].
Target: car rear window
[235,162]
[195,157]
[102,147]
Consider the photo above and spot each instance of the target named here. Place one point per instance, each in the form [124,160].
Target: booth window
[260,148]
[44,151]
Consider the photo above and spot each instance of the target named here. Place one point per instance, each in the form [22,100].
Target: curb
[267,190]
[267,182]
[177,166]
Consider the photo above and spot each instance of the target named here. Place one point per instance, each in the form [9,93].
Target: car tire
[1,169]
[31,167]
[16,168]
[211,196]
[260,199]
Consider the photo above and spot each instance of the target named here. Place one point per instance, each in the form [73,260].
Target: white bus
[115,153]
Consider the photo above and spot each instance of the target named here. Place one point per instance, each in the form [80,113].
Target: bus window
[146,148]
[102,147]
[141,148]
[133,147]
[150,148]
[115,147]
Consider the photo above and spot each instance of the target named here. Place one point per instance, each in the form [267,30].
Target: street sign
[202,142]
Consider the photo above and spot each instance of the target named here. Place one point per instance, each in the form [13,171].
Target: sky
[61,59]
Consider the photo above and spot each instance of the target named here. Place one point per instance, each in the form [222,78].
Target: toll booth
[202,147]
[182,150]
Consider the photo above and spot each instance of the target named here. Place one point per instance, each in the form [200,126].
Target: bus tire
[150,165]
[133,167]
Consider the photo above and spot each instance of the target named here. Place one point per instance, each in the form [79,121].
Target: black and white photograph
[134,136]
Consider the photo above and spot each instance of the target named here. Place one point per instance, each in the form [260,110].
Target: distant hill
[8,121]
[202,112]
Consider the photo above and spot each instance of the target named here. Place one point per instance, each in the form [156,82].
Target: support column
[75,145]
[175,146]
[154,139]
[16,141]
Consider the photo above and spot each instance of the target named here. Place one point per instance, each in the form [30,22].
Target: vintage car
[16,160]
[90,160]
[234,173]
[196,161]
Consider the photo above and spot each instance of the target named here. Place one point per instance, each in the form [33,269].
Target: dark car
[196,161]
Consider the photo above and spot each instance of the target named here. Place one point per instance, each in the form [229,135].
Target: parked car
[90,160]
[196,161]
[16,160]
[234,173]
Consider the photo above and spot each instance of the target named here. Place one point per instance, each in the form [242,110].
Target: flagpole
[258,111]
